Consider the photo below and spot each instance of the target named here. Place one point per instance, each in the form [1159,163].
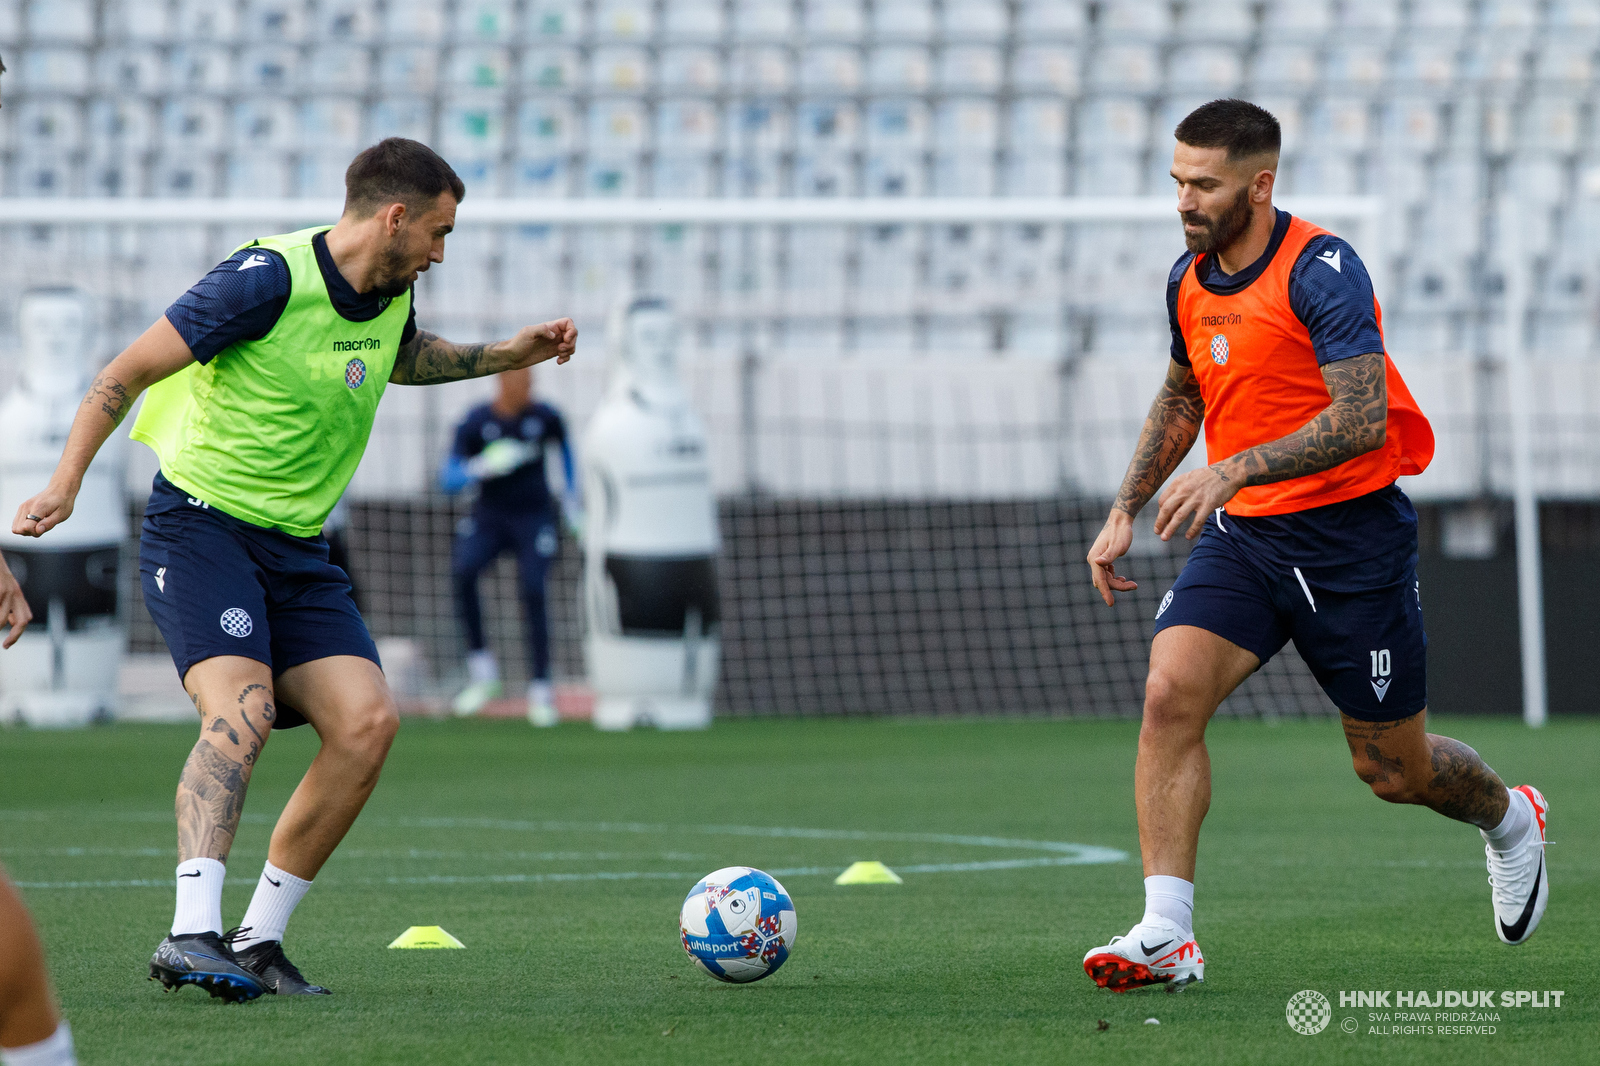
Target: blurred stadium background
[915,427]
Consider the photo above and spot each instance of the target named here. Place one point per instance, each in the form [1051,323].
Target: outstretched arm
[429,359]
[1170,430]
[158,353]
[1354,422]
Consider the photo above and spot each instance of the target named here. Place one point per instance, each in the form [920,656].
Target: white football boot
[1153,953]
[542,705]
[1519,883]
[472,699]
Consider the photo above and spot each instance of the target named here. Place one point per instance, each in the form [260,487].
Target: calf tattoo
[1464,786]
[212,788]
[210,799]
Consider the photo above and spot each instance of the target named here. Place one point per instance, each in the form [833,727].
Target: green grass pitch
[525,844]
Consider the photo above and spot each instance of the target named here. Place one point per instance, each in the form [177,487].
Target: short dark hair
[1241,127]
[398,169]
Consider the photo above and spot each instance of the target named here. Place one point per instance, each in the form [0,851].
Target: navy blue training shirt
[525,488]
[241,298]
[1331,293]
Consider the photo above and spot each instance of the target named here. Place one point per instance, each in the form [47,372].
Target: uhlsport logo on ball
[738,924]
[1309,1012]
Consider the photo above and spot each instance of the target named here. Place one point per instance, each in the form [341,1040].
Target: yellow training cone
[868,873]
[426,936]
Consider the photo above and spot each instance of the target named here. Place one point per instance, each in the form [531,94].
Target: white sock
[1171,898]
[541,694]
[481,666]
[53,1050]
[1514,826]
[199,907]
[277,894]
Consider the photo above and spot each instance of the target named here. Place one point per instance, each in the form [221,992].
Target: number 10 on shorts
[1380,662]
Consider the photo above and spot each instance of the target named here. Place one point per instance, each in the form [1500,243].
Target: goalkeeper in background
[501,447]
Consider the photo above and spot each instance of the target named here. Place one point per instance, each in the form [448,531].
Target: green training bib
[271,431]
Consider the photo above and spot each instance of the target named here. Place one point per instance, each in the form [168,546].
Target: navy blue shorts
[216,585]
[1359,627]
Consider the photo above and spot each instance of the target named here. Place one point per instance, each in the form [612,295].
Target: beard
[1221,231]
[394,276]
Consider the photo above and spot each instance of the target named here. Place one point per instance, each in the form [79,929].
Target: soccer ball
[738,924]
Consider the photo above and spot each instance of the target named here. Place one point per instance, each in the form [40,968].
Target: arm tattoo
[210,799]
[1170,430]
[111,396]
[1353,424]
[429,359]
[1471,791]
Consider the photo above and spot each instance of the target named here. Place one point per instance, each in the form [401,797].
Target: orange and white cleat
[1519,882]
[1153,953]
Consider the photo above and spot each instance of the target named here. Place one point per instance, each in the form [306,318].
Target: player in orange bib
[1277,350]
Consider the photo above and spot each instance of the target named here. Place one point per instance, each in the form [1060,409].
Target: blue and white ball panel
[738,924]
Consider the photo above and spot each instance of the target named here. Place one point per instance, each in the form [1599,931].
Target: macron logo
[257,260]
[1330,257]
[1381,687]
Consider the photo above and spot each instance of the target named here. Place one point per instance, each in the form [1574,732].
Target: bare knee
[1174,708]
[366,728]
[1385,776]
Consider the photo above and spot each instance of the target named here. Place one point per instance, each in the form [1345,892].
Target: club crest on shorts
[355,372]
[236,622]
[1219,349]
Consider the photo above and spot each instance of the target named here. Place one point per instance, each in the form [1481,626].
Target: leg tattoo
[210,799]
[212,789]
[1463,787]
[1385,766]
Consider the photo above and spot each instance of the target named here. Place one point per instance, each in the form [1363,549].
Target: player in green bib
[262,383]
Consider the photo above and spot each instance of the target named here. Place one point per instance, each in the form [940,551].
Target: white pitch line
[1062,854]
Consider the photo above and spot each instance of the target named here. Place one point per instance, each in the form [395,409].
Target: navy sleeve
[239,300]
[469,435]
[1330,292]
[1180,346]
[411,320]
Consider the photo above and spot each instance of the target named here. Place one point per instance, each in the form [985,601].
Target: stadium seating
[1443,107]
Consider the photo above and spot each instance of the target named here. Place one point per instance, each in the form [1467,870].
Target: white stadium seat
[276,21]
[206,20]
[400,116]
[483,22]
[1230,21]
[346,21]
[624,20]
[552,22]
[899,68]
[699,21]
[762,69]
[131,69]
[61,21]
[1125,68]
[1051,20]
[413,22]
[478,67]
[831,67]
[409,69]
[970,68]
[1216,69]
[691,68]
[1285,68]
[966,137]
[135,20]
[1299,20]
[550,69]
[835,20]
[268,68]
[1047,68]
[264,126]
[341,68]
[1147,20]
[54,69]
[974,20]
[619,69]
[902,20]
[758,20]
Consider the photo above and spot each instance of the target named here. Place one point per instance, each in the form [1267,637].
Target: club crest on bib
[1219,349]
[355,372]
